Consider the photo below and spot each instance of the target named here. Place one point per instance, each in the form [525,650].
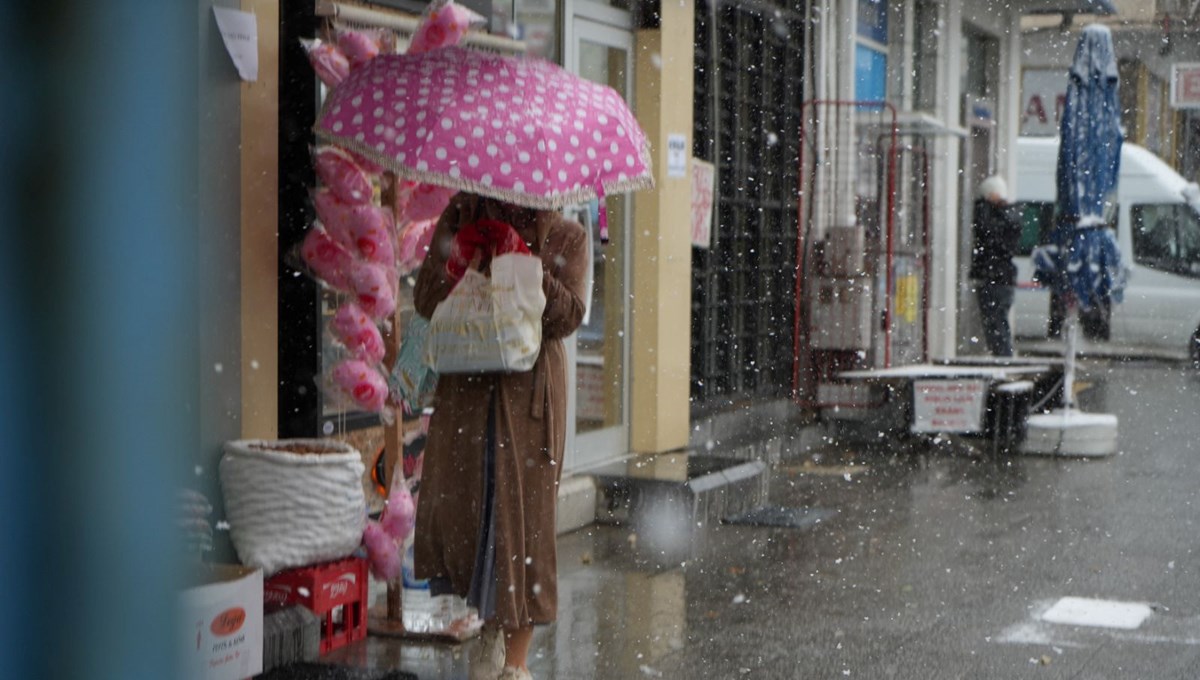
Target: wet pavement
[937,561]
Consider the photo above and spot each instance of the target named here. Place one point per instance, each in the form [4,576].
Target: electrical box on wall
[843,251]
[841,317]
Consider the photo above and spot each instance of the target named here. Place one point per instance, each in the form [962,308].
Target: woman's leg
[516,646]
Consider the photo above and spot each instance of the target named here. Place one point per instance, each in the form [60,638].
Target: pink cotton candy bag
[355,329]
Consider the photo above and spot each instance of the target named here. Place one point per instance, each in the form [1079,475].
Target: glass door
[598,352]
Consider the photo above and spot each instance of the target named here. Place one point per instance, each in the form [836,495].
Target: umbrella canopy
[518,129]
[1083,259]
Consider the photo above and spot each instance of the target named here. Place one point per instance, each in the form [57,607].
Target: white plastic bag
[494,324]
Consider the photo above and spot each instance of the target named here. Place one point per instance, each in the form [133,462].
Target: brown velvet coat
[531,411]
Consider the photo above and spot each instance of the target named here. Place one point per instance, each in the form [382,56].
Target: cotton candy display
[415,239]
[361,383]
[358,46]
[344,177]
[384,539]
[329,63]
[383,553]
[355,329]
[365,230]
[326,259]
[400,516]
[373,289]
[444,24]
[335,214]
[371,231]
[418,202]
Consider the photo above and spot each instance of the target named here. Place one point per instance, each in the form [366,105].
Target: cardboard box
[222,623]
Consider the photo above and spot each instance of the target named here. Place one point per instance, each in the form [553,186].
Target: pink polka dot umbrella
[519,129]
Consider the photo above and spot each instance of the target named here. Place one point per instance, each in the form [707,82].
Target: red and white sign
[1185,86]
[221,624]
[948,405]
[1043,95]
[704,183]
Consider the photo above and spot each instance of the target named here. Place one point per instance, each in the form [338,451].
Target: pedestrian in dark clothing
[997,233]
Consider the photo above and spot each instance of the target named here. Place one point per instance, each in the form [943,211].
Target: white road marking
[1159,629]
[1085,611]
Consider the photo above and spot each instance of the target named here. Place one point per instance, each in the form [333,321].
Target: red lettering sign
[228,621]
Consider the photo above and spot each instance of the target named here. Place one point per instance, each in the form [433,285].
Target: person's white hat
[994,185]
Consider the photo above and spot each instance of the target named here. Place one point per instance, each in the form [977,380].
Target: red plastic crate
[335,591]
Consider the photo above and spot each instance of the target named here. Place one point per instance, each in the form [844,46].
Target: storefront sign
[677,155]
[240,33]
[1043,95]
[704,183]
[948,405]
[1185,86]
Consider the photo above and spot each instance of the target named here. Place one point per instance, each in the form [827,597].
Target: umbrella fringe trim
[559,200]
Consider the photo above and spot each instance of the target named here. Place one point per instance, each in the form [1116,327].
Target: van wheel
[1194,350]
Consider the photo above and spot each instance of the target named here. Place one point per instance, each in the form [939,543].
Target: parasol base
[1070,432]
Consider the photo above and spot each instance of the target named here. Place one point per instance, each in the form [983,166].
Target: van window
[1037,219]
[1166,236]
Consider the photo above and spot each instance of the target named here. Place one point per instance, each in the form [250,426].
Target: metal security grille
[748,93]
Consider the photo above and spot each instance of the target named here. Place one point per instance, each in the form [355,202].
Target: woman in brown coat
[471,523]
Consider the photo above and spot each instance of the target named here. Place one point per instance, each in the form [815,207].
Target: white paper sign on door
[240,33]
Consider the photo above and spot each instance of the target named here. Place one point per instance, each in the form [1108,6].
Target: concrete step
[666,498]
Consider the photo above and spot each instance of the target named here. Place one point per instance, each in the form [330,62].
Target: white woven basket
[293,502]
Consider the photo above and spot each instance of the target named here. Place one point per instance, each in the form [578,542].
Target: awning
[1066,6]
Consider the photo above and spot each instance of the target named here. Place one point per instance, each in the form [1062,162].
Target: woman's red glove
[504,239]
[484,238]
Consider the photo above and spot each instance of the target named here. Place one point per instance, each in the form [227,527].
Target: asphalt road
[939,563]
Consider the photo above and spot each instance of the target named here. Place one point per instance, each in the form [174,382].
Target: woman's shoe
[510,673]
[486,659]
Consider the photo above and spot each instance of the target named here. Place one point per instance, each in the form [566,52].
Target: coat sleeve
[1011,219]
[563,286]
[433,284]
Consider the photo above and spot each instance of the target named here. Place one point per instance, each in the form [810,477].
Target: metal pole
[1069,367]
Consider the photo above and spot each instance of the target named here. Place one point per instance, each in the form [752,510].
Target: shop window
[747,121]
[927,28]
[535,22]
[870,51]
[981,64]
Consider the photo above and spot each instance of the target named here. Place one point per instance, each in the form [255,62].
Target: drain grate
[781,516]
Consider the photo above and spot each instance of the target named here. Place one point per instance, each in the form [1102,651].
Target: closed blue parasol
[1083,261]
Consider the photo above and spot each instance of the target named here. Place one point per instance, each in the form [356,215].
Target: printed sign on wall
[1185,86]
[677,155]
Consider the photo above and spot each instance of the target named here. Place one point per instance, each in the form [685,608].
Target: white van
[1158,229]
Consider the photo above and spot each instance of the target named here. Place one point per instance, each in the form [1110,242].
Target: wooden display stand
[388,621]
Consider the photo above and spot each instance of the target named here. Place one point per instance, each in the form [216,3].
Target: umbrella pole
[1072,335]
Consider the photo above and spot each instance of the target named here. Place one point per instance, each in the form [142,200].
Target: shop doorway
[599,47]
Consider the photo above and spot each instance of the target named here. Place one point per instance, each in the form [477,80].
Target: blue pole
[97,351]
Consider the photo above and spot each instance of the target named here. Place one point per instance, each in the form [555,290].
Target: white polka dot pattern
[519,129]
